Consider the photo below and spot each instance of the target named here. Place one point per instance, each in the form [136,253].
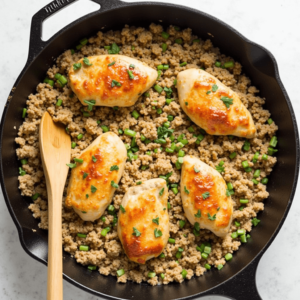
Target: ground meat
[152,160]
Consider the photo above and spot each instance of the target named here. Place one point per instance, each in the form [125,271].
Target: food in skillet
[95,176]
[212,105]
[143,226]
[205,197]
[110,80]
[150,129]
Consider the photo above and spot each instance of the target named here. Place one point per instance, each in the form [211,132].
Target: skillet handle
[242,286]
[36,45]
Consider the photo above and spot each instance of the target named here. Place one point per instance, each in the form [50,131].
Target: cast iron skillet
[237,279]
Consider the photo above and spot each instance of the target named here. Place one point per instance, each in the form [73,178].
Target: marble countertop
[272,24]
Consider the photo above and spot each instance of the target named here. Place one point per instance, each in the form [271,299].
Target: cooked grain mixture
[180,52]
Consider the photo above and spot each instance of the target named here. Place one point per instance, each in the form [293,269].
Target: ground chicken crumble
[146,45]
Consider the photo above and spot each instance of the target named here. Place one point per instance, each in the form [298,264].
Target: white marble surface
[273,24]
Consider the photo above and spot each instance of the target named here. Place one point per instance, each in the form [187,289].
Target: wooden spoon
[55,148]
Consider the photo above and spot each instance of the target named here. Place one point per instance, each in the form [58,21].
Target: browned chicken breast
[110,80]
[204,199]
[143,226]
[95,178]
[212,105]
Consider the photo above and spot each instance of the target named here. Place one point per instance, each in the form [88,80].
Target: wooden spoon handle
[55,280]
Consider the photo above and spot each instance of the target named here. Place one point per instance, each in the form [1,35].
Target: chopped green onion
[84,248]
[86,61]
[191,129]
[24,161]
[105,231]
[92,268]
[35,196]
[175,190]
[234,235]
[232,155]
[79,136]
[207,249]
[207,266]
[255,157]
[115,83]
[162,275]
[183,64]
[158,88]
[135,114]
[165,35]
[243,238]
[81,235]
[151,274]
[120,272]
[168,101]
[167,124]
[245,164]
[264,180]
[164,47]
[237,224]
[204,255]
[240,231]
[71,166]
[181,224]
[24,112]
[265,157]
[230,186]
[218,64]
[171,241]
[270,121]
[220,267]
[246,146]
[49,81]
[93,189]
[130,132]
[181,153]
[79,160]
[256,173]
[255,221]
[229,64]
[184,273]
[271,151]
[130,74]
[178,41]
[75,67]
[244,201]
[196,41]
[273,141]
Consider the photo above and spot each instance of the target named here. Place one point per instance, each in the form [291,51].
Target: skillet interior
[257,63]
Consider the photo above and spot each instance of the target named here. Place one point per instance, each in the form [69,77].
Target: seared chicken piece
[143,226]
[212,105]
[93,182]
[204,199]
[111,80]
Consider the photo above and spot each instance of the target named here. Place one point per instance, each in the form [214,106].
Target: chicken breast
[93,182]
[111,80]
[204,199]
[143,226]
[212,105]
